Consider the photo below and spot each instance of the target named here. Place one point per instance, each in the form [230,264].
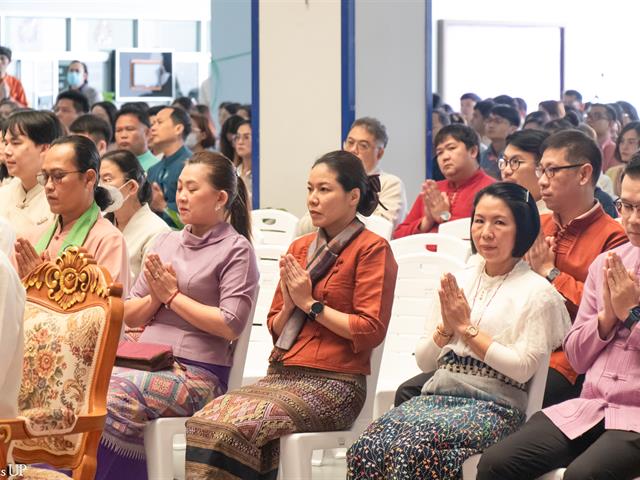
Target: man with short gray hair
[367,140]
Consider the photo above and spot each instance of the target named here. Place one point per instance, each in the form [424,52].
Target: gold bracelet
[442,333]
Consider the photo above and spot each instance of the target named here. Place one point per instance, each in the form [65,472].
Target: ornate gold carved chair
[72,323]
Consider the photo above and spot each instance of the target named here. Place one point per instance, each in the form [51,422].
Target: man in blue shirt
[168,133]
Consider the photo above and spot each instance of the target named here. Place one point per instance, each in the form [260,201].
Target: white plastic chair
[536,388]
[275,227]
[378,225]
[416,289]
[159,433]
[260,342]
[296,449]
[460,228]
[427,242]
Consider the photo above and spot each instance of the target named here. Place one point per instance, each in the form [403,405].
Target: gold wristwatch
[471,331]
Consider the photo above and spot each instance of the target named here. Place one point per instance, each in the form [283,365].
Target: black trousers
[539,447]
[559,389]
[411,388]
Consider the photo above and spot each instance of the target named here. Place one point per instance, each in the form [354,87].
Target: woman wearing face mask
[195,295]
[201,137]
[70,177]
[124,177]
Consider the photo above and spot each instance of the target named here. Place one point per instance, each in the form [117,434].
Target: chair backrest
[460,228]
[536,386]
[72,324]
[378,225]
[275,227]
[434,243]
[240,350]
[366,414]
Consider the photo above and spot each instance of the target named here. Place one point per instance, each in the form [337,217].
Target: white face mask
[191,140]
[117,198]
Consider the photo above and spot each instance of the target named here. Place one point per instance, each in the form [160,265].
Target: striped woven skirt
[237,435]
[429,437]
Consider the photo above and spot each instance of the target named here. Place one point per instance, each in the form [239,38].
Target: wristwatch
[633,318]
[316,309]
[445,216]
[553,273]
[471,331]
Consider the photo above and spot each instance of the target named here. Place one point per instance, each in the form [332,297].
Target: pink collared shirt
[611,389]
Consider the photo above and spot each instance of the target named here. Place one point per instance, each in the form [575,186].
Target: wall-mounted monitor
[144,75]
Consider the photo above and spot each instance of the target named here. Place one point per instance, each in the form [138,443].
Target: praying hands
[296,282]
[541,256]
[435,204]
[161,279]
[454,307]
[27,259]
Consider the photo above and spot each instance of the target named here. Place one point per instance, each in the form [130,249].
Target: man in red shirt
[10,87]
[457,148]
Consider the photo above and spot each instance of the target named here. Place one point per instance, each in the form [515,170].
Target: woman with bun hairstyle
[122,173]
[70,177]
[331,309]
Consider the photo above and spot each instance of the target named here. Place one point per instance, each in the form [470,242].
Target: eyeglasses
[597,116]
[56,177]
[551,171]
[361,146]
[513,163]
[245,137]
[626,208]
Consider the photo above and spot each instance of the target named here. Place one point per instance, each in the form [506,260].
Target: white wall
[390,82]
[600,58]
[300,79]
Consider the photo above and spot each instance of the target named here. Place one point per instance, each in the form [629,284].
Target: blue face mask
[74,79]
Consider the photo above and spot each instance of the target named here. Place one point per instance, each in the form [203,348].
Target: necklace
[490,299]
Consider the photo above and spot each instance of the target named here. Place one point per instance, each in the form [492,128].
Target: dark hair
[140,114]
[84,65]
[524,209]
[442,116]
[153,111]
[203,109]
[461,133]
[529,141]
[139,105]
[554,108]
[522,105]
[632,168]
[6,51]
[79,101]
[41,127]
[470,96]
[505,100]
[246,107]
[578,148]
[629,126]
[203,125]
[508,113]
[179,116]
[351,174]
[629,109]
[436,101]
[231,107]
[572,116]
[129,165]
[183,102]
[93,126]
[230,125]
[611,112]
[223,176]
[540,117]
[111,110]
[86,157]
[374,127]
[557,125]
[456,118]
[574,93]
[484,107]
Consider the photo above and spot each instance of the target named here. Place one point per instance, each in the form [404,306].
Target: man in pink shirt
[598,434]
[457,149]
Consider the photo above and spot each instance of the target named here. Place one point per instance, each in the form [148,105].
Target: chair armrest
[15,428]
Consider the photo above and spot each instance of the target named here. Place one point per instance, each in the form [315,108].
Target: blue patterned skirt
[429,437]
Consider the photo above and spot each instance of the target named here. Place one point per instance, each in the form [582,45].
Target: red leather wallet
[150,357]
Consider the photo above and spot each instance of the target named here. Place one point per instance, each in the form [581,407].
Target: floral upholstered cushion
[57,374]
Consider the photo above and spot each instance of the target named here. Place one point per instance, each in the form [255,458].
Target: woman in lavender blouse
[195,294]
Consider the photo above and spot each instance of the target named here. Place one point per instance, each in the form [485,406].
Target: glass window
[179,36]
[101,34]
[186,79]
[29,34]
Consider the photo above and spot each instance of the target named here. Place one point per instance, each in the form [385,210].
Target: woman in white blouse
[491,327]
[122,174]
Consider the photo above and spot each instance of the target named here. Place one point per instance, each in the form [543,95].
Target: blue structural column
[348,53]
[255,102]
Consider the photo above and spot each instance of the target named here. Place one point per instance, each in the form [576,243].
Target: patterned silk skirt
[237,435]
[429,437]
